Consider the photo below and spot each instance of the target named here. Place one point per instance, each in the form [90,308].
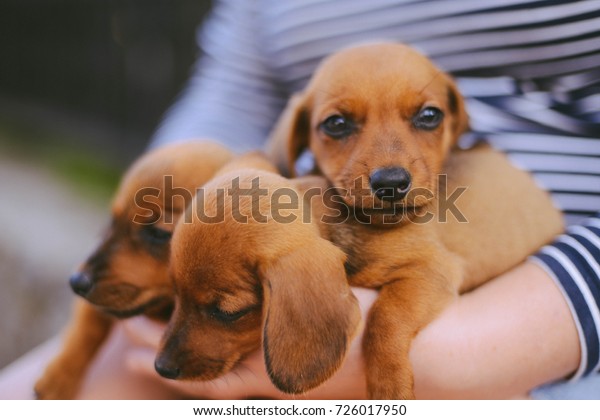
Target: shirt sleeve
[232,96]
[573,262]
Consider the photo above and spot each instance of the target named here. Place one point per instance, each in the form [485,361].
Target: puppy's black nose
[81,283]
[166,369]
[390,184]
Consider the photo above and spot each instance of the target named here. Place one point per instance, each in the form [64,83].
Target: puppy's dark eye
[155,236]
[337,126]
[225,316]
[428,118]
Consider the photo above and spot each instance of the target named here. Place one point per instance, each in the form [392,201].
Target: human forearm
[503,339]
[231,97]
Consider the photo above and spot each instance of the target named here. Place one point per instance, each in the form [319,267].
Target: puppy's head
[379,120]
[255,275]
[127,274]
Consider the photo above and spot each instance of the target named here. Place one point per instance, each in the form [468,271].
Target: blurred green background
[83,85]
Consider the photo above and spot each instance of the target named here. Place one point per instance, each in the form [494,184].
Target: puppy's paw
[389,388]
[393,383]
[55,385]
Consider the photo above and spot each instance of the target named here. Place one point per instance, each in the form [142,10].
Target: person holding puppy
[528,70]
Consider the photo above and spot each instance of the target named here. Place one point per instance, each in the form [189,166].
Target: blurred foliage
[94,175]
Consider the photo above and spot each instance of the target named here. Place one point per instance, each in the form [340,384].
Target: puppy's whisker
[244,368]
[327,92]
[431,81]
[213,384]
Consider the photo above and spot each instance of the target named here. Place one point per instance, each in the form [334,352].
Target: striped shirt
[529,71]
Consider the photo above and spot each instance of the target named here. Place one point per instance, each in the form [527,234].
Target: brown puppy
[261,270]
[256,270]
[381,121]
[127,274]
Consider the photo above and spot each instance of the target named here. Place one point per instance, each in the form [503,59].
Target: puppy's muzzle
[166,368]
[390,184]
[81,282]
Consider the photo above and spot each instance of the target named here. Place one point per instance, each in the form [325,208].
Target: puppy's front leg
[403,307]
[85,334]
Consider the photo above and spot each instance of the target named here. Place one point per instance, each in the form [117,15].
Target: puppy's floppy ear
[310,316]
[456,105]
[290,135]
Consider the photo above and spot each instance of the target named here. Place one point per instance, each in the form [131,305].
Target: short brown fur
[285,285]
[418,267]
[129,267]
[242,283]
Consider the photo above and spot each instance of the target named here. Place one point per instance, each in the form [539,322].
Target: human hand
[508,336]
[249,378]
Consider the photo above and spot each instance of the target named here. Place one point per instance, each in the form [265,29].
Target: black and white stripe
[529,70]
[573,262]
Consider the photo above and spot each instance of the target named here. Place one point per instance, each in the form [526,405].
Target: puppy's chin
[373,211]
[384,217]
[206,369]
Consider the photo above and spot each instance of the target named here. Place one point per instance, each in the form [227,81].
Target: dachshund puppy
[127,273]
[420,265]
[381,121]
[253,262]
[256,270]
